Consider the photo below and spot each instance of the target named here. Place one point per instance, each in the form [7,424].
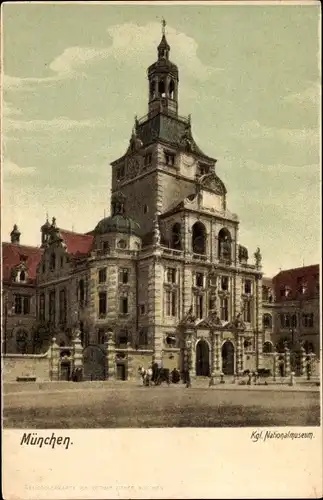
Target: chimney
[15,235]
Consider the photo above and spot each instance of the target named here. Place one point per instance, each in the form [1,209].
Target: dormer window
[204,169]
[22,276]
[170,159]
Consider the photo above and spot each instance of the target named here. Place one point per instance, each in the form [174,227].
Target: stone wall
[23,365]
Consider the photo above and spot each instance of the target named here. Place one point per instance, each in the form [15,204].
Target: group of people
[156,374]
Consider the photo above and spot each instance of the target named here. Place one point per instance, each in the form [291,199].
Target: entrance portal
[228,358]
[202,359]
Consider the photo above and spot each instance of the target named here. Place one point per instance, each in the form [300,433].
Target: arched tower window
[161,89]
[176,236]
[224,244]
[152,89]
[171,89]
[199,238]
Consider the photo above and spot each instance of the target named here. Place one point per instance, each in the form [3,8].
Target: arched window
[145,209]
[224,245]
[267,321]
[81,291]
[152,89]
[22,341]
[22,276]
[161,89]
[52,261]
[199,238]
[176,236]
[268,347]
[171,89]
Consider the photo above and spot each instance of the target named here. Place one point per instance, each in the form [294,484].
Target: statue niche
[224,245]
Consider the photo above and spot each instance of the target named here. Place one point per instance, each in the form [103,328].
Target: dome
[117,224]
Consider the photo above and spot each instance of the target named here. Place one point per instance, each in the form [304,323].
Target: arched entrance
[202,359]
[228,358]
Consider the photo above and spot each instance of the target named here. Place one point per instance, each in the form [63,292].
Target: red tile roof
[292,278]
[11,254]
[77,244]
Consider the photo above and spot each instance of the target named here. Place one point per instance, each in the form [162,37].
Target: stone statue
[225,248]
[238,323]
[189,318]
[258,257]
[157,235]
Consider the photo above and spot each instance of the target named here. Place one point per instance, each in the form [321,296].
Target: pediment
[213,182]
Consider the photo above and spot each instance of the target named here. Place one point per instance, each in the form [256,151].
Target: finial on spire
[163,26]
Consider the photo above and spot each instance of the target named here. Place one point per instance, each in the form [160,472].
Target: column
[238,356]
[77,354]
[54,361]
[217,354]
[213,353]
[275,366]
[130,361]
[287,361]
[303,361]
[110,356]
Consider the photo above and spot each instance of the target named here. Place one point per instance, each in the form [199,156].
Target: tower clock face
[133,166]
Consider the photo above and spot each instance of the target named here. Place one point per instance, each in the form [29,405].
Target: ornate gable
[213,182]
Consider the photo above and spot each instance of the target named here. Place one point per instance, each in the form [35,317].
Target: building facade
[165,273]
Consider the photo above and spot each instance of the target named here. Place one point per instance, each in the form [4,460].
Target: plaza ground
[123,404]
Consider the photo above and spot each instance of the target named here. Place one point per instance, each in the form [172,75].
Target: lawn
[110,407]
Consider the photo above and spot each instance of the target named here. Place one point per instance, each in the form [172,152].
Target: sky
[74,77]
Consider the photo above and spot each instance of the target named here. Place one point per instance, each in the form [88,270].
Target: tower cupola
[163,81]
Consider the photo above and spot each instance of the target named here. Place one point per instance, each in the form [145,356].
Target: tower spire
[163,27]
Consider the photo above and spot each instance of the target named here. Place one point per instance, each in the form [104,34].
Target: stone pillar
[130,361]
[287,361]
[77,351]
[239,356]
[217,361]
[303,361]
[54,361]
[275,366]
[213,353]
[109,344]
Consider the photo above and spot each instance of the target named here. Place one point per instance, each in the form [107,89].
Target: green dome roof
[117,224]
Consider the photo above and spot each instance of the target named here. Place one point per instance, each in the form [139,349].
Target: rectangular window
[124,276]
[294,321]
[52,306]
[143,336]
[171,275]
[199,306]
[62,306]
[170,159]
[224,283]
[224,306]
[247,286]
[123,305]
[170,303]
[42,307]
[142,309]
[120,172]
[103,275]
[102,303]
[122,337]
[52,262]
[247,312]
[26,305]
[199,280]
[148,160]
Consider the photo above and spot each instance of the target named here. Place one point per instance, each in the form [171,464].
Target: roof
[294,278]
[169,129]
[11,257]
[76,243]
[118,223]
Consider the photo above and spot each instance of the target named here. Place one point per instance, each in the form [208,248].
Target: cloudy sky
[75,76]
